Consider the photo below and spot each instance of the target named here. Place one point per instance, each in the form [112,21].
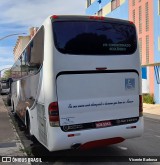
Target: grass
[148,98]
[28,151]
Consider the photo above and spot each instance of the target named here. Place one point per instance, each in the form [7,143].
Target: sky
[17,16]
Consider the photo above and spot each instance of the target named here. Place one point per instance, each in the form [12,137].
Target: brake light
[54,16]
[140,105]
[102,18]
[97,17]
[53,114]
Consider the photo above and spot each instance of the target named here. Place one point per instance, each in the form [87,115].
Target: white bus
[77,83]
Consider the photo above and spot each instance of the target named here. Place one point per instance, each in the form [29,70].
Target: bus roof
[87,17]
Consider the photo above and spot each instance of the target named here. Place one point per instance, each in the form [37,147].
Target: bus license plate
[103,124]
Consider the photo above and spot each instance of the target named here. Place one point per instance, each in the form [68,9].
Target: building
[146,16]
[22,41]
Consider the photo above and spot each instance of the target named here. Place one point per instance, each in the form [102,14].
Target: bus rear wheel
[9,100]
[28,129]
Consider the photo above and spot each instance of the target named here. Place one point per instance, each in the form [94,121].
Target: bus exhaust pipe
[76,146]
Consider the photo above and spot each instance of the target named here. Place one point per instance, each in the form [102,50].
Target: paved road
[147,145]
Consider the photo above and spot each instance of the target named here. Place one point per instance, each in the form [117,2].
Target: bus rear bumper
[93,138]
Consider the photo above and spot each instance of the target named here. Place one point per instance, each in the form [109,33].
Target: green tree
[6,74]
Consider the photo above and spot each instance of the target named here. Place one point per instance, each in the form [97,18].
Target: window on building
[147,49]
[140,48]
[118,3]
[133,2]
[115,4]
[140,19]
[100,12]
[147,16]
[88,3]
[134,16]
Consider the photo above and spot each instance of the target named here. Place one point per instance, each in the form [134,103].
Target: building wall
[22,41]
[105,5]
[20,45]
[125,11]
[119,11]
[93,8]
[157,45]
[143,32]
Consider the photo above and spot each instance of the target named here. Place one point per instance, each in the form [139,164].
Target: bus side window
[35,52]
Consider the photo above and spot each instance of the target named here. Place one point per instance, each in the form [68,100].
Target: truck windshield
[94,38]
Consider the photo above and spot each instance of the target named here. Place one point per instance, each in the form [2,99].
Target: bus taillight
[140,105]
[53,114]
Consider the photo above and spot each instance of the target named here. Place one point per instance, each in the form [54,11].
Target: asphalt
[151,110]
[10,144]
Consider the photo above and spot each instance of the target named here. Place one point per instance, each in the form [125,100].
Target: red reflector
[54,16]
[131,127]
[101,143]
[53,118]
[70,135]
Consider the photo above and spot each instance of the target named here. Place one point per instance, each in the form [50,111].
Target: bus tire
[9,100]
[28,128]
[12,109]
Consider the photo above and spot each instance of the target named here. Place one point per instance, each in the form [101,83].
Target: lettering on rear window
[117,47]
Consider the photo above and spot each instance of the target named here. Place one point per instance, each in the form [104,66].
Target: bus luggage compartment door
[90,97]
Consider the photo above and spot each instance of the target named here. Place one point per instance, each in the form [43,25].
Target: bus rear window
[94,38]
